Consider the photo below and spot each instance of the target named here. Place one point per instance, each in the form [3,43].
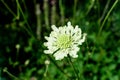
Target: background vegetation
[24,23]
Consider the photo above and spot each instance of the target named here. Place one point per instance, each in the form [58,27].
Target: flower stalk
[5,70]
[38,16]
[46,14]
[75,71]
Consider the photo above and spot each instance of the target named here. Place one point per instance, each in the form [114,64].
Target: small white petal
[53,34]
[46,37]
[54,28]
[45,43]
[83,39]
[60,54]
[48,52]
[69,23]
[73,54]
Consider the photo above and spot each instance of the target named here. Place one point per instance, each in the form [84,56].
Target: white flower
[64,40]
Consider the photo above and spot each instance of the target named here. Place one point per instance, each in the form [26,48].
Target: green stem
[53,12]
[61,11]
[46,70]
[106,17]
[104,11]
[29,33]
[24,4]
[5,70]
[38,17]
[98,9]
[90,7]
[18,12]
[8,8]
[61,70]
[46,14]
[24,19]
[75,71]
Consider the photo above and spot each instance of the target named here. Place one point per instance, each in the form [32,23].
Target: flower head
[64,40]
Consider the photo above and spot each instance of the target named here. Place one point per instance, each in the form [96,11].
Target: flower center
[64,41]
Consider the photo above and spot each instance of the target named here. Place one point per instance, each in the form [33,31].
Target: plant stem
[46,70]
[5,70]
[38,16]
[61,70]
[9,8]
[75,71]
[104,11]
[46,13]
[53,12]
[29,31]
[90,7]
[106,17]
[62,12]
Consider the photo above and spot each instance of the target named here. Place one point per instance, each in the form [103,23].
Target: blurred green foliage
[23,26]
